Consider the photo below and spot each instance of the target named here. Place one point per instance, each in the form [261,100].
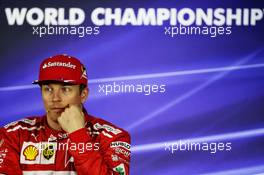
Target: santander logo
[59,64]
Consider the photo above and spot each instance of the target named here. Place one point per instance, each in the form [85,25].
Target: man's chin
[54,115]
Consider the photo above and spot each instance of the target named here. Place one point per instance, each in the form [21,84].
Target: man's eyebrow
[67,84]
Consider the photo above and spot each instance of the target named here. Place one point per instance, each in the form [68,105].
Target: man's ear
[84,94]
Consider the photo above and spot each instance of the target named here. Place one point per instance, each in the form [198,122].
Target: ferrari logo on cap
[84,74]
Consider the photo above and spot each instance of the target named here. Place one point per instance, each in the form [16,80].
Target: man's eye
[66,89]
[47,89]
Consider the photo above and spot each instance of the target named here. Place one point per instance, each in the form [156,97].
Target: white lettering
[49,16]
[15,17]
[185,16]
[256,14]
[59,64]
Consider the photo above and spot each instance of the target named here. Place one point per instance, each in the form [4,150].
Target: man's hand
[72,119]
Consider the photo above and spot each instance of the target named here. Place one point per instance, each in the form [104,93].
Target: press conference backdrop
[193,103]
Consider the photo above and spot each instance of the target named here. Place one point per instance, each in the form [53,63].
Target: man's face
[57,97]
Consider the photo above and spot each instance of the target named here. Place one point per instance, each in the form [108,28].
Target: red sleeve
[111,157]
[9,153]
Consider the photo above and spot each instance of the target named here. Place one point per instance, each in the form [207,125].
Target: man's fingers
[67,106]
[72,118]
[59,120]
[76,106]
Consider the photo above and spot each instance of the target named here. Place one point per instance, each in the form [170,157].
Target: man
[66,140]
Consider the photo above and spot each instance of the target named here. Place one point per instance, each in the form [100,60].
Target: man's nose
[56,96]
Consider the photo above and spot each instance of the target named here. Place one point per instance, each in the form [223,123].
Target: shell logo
[30,152]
